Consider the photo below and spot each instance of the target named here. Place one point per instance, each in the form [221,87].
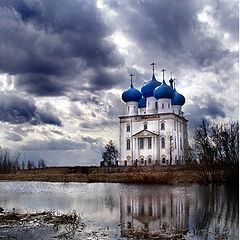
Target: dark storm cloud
[89,101]
[158,24]
[103,79]
[228,17]
[46,44]
[171,30]
[40,85]
[16,110]
[202,108]
[98,125]
[47,118]
[52,145]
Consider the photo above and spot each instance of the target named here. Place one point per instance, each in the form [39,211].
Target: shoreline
[137,175]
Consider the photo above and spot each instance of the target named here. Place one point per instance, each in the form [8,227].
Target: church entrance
[125,163]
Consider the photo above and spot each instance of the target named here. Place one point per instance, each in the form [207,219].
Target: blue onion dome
[178,98]
[131,95]
[164,91]
[142,103]
[148,88]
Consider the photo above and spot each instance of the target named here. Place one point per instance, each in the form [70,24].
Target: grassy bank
[147,175]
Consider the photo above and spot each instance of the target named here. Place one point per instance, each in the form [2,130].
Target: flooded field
[119,211]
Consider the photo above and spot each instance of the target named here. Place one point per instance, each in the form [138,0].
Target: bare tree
[217,148]
[23,165]
[30,165]
[41,164]
[8,162]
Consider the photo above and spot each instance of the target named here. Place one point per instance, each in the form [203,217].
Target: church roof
[178,98]
[142,103]
[164,91]
[148,88]
[132,94]
[144,133]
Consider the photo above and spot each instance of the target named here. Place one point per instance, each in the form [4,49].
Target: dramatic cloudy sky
[65,63]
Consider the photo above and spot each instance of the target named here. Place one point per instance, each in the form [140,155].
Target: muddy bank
[149,174]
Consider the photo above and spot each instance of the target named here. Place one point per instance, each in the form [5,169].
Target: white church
[153,130]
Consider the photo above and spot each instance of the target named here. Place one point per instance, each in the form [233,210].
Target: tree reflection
[216,212]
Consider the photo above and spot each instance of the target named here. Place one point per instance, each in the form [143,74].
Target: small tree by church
[110,155]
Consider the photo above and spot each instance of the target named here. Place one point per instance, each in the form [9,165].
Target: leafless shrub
[217,148]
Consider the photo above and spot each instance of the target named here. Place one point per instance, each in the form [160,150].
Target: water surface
[121,210]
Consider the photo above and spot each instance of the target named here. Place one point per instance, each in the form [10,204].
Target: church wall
[164,105]
[151,105]
[173,126]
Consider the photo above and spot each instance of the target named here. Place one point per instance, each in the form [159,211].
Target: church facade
[153,130]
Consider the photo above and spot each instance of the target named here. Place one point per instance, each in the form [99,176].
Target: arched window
[145,126]
[163,142]
[128,144]
[128,128]
[162,126]
[181,143]
[128,108]
[162,105]
[156,104]
[168,105]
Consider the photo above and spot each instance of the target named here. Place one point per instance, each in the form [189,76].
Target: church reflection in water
[154,212]
[203,212]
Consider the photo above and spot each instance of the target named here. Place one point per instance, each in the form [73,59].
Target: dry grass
[71,222]
[152,176]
